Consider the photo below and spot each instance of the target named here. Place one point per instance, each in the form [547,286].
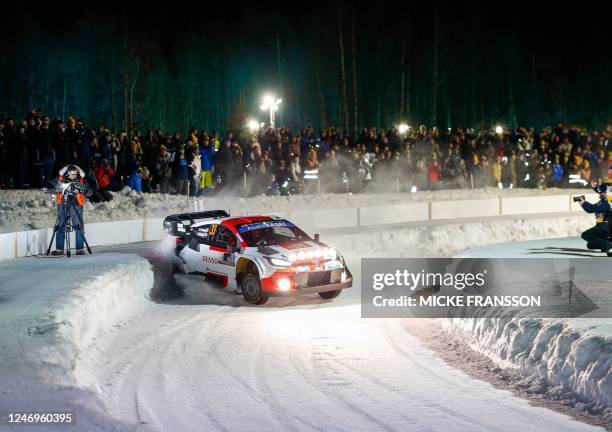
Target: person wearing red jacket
[434,169]
[103,174]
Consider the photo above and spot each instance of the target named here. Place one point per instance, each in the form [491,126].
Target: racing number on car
[213,229]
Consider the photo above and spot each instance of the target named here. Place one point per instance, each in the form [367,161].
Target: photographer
[71,189]
[598,236]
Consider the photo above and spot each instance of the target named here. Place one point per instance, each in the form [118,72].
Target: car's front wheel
[328,295]
[251,289]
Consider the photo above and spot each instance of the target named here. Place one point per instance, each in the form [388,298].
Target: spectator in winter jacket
[135,181]
[295,169]
[195,170]
[585,170]
[434,169]
[224,162]
[180,172]
[163,169]
[556,175]
[207,155]
[312,161]
[104,174]
[146,179]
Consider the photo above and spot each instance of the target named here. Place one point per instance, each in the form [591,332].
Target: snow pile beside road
[568,364]
[50,310]
[102,301]
[22,210]
[451,238]
[34,209]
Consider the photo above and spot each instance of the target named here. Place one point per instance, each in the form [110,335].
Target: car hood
[283,251]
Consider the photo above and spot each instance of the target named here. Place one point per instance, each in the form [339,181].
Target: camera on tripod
[69,190]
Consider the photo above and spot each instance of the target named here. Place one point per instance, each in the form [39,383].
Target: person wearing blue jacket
[556,176]
[598,237]
[135,180]
[207,156]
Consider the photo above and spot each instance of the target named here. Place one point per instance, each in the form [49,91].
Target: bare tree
[355,91]
[436,60]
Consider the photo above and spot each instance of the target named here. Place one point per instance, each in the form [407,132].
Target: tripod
[72,221]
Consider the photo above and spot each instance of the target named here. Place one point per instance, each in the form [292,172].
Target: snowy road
[209,362]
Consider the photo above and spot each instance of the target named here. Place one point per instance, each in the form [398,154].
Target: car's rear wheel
[251,289]
[328,295]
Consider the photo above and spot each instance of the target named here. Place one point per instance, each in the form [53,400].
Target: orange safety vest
[80,196]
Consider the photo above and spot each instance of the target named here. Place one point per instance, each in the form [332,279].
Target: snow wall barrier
[34,242]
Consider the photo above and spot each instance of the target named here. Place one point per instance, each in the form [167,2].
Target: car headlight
[330,253]
[279,262]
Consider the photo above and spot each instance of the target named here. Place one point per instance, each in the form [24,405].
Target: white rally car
[260,256]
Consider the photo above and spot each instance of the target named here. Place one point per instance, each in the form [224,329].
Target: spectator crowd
[256,162]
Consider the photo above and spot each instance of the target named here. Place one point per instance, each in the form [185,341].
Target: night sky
[523,63]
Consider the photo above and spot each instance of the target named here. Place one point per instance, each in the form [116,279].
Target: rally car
[258,256]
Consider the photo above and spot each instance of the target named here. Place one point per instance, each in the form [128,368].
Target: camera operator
[598,236]
[71,190]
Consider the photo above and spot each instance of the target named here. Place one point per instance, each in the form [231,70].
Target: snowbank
[33,209]
[567,363]
[430,240]
[50,309]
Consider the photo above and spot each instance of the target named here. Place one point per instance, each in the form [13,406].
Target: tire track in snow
[396,346]
[262,373]
[130,365]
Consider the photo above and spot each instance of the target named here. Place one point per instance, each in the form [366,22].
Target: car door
[197,251]
[222,260]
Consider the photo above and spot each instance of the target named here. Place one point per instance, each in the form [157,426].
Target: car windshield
[272,232]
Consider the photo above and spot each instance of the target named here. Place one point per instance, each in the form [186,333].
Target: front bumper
[312,290]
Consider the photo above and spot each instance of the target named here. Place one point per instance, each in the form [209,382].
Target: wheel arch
[244,266]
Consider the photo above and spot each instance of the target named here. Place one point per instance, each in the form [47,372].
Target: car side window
[200,235]
[224,237]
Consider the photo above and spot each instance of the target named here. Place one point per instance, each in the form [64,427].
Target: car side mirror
[316,238]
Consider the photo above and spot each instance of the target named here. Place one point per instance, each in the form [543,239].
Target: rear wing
[179,224]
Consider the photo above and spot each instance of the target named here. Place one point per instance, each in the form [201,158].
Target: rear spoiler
[179,224]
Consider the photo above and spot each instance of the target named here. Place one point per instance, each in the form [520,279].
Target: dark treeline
[343,63]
